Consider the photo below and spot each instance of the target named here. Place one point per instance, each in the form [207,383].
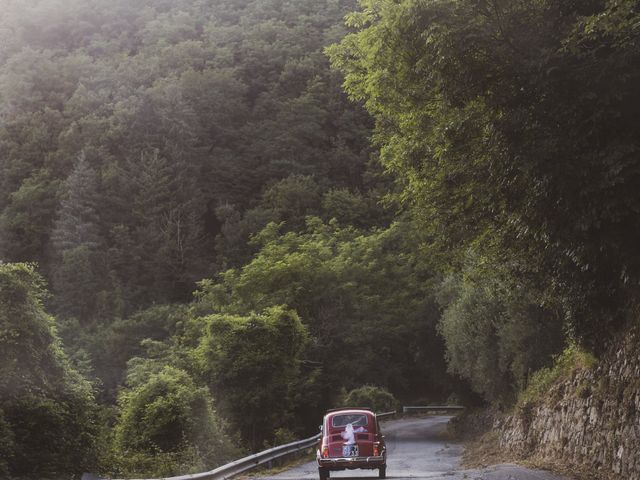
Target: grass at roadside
[571,359]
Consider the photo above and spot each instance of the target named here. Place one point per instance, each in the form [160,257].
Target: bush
[253,362]
[377,399]
[168,426]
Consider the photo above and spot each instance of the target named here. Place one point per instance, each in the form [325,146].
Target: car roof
[336,411]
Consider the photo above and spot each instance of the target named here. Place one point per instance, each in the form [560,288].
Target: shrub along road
[418,449]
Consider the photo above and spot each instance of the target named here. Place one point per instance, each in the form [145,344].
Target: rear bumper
[351,462]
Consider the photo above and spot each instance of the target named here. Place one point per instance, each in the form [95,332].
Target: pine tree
[78,277]
[167,228]
[77,223]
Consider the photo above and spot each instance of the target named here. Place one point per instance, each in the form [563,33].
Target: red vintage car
[351,438]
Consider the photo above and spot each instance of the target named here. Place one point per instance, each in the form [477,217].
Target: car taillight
[325,452]
[376,450]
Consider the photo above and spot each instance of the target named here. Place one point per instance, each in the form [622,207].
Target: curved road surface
[417,449]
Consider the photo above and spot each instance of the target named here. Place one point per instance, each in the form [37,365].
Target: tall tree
[78,224]
[77,241]
[166,228]
[510,126]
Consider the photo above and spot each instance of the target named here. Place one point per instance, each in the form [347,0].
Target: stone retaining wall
[591,420]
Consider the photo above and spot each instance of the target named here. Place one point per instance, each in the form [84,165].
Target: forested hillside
[208,235]
[135,134]
[150,150]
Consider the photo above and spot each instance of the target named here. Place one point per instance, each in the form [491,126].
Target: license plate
[350,450]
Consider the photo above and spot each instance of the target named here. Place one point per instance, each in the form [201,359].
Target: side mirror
[320,427]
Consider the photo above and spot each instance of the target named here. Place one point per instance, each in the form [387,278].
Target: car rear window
[355,419]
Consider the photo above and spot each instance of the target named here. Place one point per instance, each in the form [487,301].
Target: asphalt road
[417,449]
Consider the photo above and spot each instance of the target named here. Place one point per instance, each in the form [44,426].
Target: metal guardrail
[252,461]
[432,408]
[385,414]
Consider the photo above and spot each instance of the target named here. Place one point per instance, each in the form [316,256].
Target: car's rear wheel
[323,472]
[382,472]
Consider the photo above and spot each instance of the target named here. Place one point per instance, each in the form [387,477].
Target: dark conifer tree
[78,278]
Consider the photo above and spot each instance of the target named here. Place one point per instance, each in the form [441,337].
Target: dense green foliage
[142,145]
[103,351]
[365,296]
[511,126]
[47,410]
